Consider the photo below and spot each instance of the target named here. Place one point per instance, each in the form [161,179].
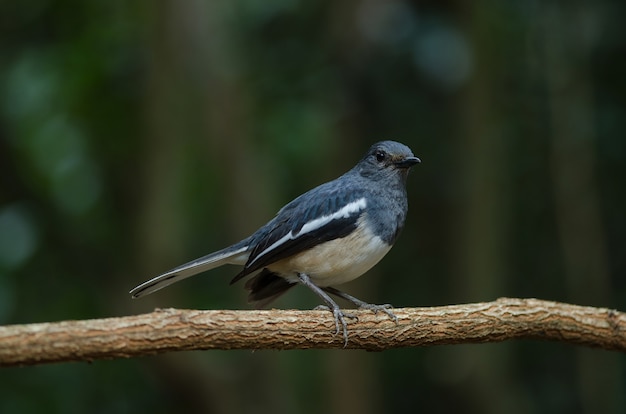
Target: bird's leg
[363,305]
[338,314]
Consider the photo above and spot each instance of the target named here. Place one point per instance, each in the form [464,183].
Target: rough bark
[167,330]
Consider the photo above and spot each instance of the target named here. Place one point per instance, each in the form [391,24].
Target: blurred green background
[135,136]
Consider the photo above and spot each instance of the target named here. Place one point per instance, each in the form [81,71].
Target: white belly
[337,261]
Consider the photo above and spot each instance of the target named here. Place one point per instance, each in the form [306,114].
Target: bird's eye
[380,156]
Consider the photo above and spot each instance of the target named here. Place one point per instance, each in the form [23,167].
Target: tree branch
[167,330]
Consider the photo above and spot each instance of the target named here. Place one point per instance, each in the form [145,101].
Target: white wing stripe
[344,212]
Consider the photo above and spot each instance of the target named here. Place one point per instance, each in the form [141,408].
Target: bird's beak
[408,162]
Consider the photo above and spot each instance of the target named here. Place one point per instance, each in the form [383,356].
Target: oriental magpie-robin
[330,235]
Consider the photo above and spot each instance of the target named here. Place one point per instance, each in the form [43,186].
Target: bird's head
[387,158]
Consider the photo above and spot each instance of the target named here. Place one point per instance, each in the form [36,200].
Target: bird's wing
[235,254]
[318,216]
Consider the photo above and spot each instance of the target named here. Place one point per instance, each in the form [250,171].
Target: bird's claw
[339,317]
[380,308]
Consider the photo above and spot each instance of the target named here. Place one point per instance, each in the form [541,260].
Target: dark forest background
[135,136]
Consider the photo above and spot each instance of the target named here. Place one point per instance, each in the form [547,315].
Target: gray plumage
[327,236]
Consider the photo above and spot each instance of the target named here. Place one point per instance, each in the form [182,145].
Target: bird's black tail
[235,254]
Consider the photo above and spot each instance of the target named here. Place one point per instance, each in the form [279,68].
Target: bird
[327,236]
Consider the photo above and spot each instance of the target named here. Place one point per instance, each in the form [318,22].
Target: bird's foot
[340,320]
[363,305]
[380,308]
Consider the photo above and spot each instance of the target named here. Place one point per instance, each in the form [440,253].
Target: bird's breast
[336,261]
